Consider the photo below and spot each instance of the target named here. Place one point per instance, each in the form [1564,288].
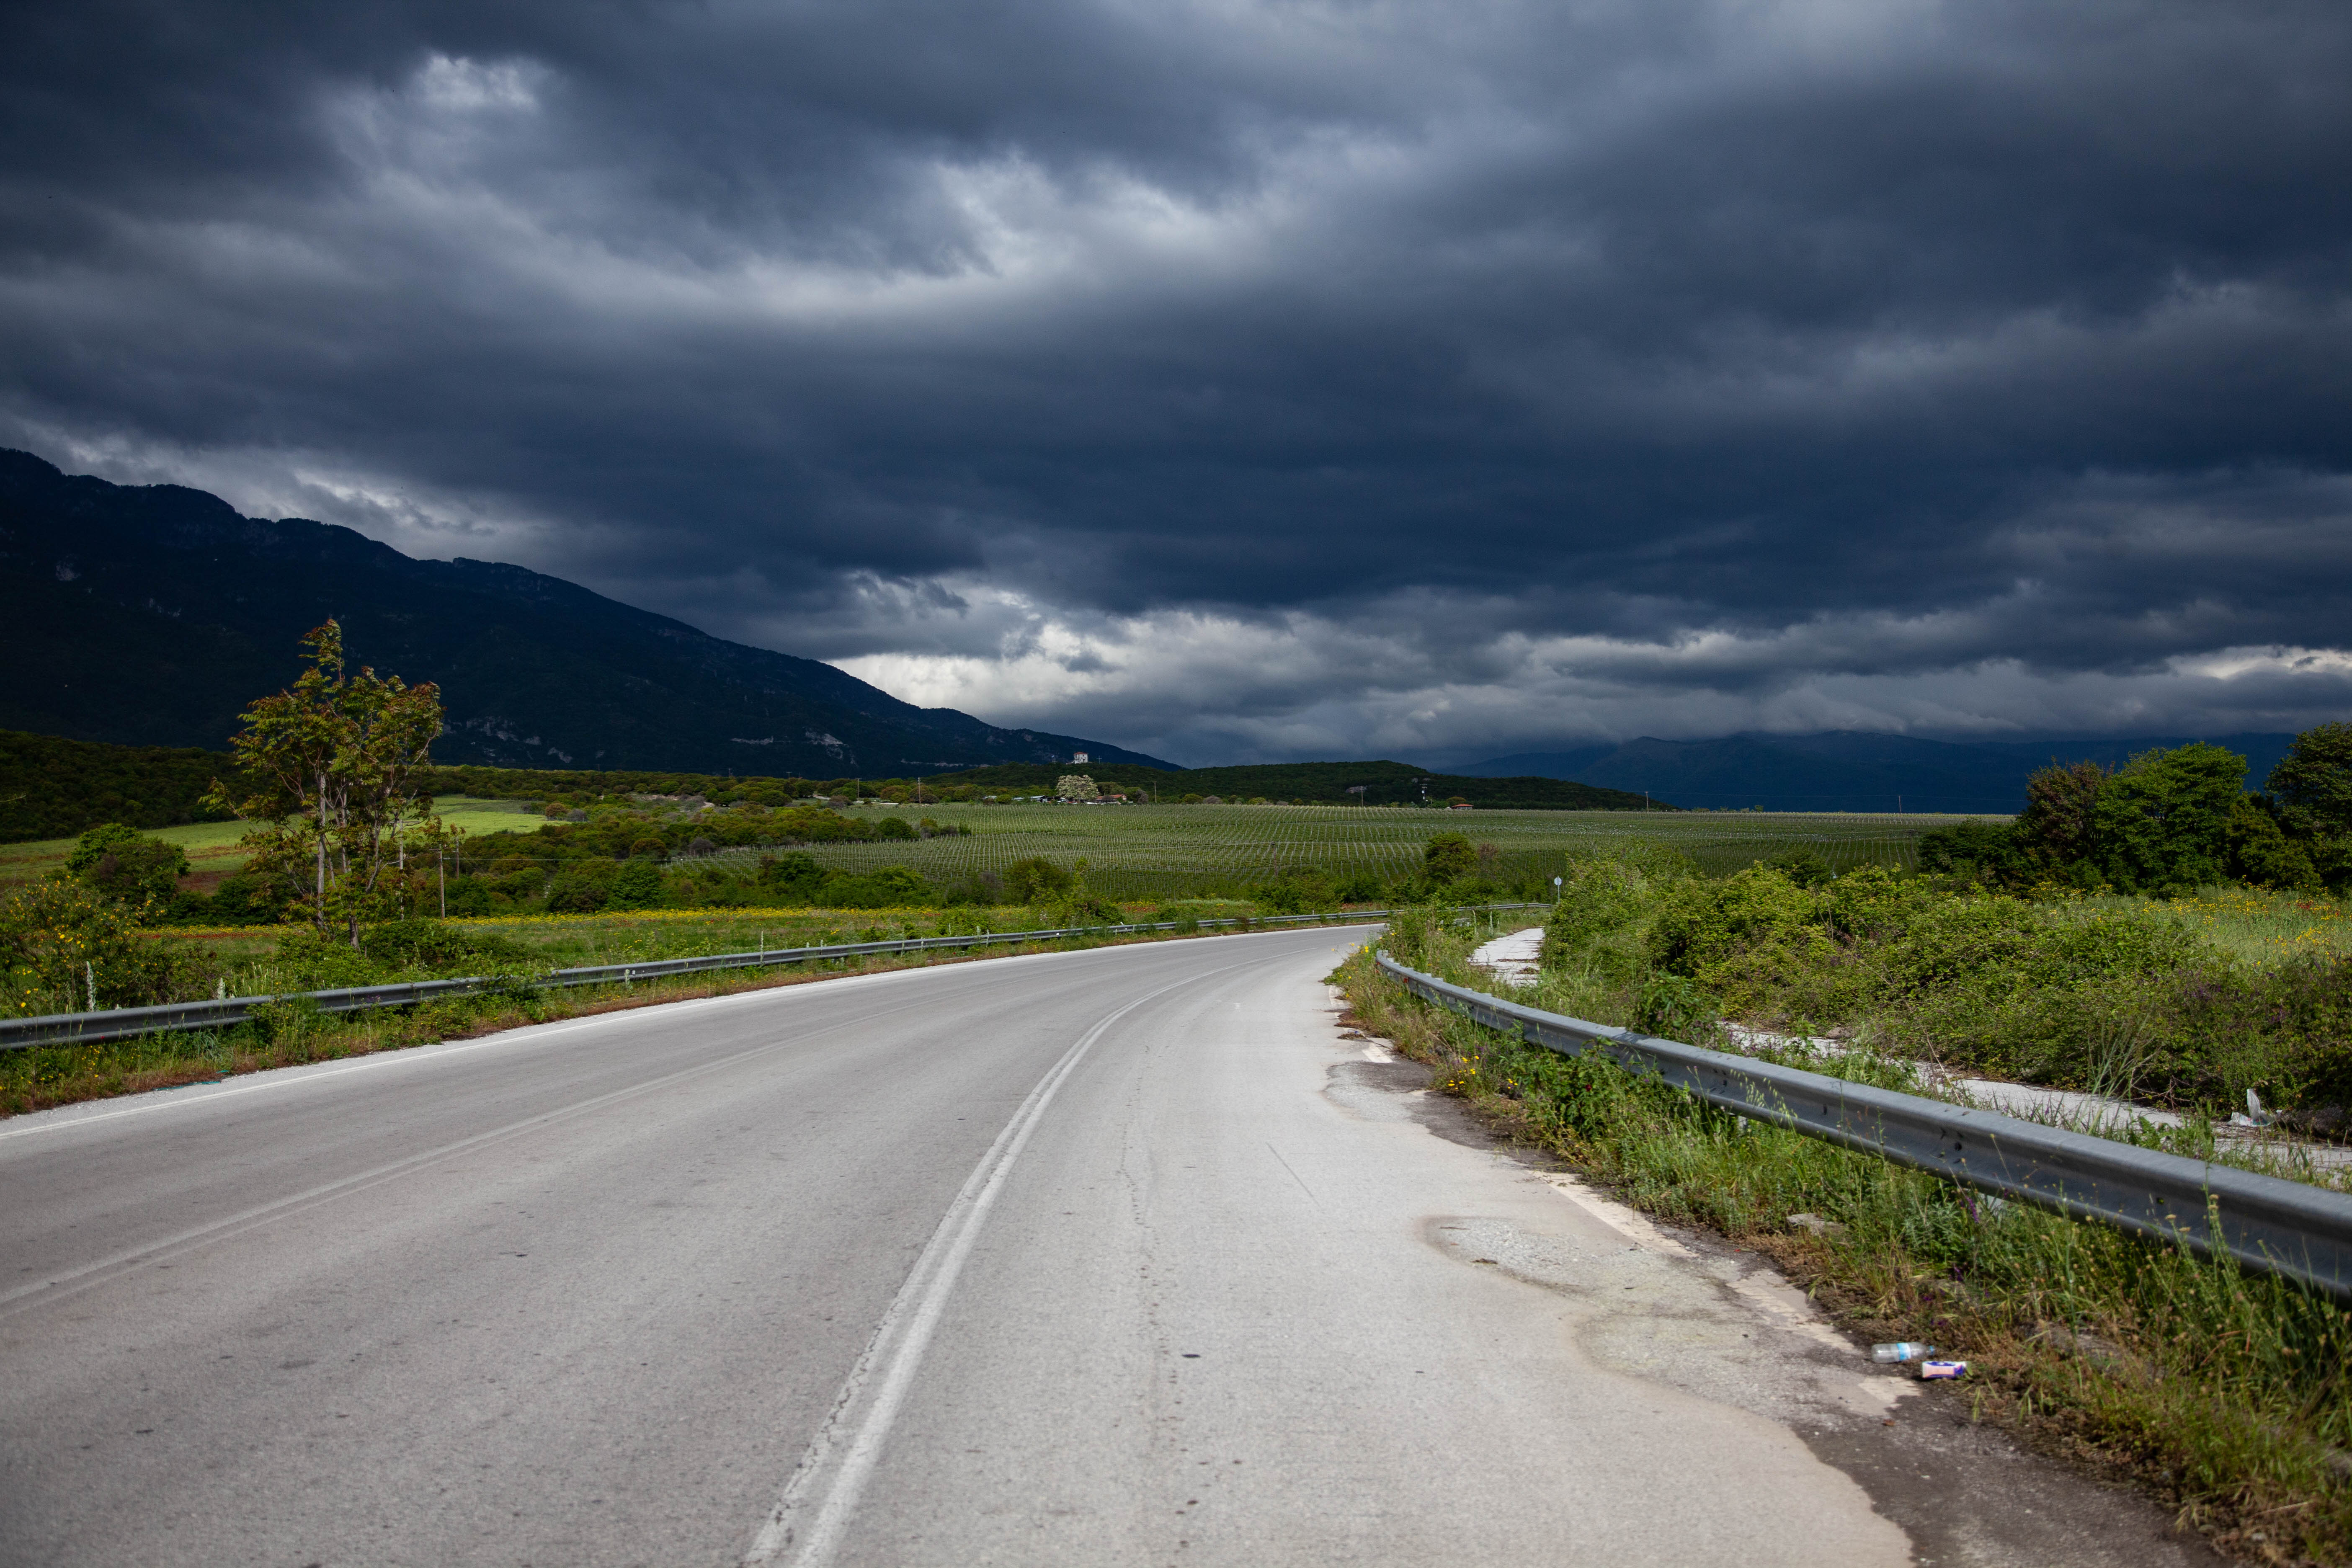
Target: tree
[333,766]
[2313,783]
[1449,857]
[2161,824]
[1075,786]
[2057,827]
[2263,856]
[1987,853]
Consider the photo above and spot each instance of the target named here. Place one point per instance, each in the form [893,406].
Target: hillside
[149,616]
[52,789]
[1849,771]
[1385,784]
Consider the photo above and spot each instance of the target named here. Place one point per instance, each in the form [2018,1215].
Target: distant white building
[1080,757]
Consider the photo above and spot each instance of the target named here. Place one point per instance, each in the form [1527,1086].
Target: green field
[212,847]
[1145,852]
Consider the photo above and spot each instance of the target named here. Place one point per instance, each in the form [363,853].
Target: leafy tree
[794,875]
[125,864]
[2161,824]
[1449,857]
[2313,783]
[2058,826]
[333,766]
[637,885]
[1987,853]
[2262,855]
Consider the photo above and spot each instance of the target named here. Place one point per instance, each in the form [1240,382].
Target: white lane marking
[905,1333]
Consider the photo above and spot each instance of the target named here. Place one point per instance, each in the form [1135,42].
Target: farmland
[1146,852]
[1152,852]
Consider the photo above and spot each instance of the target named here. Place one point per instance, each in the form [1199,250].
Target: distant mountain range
[149,616]
[1847,770]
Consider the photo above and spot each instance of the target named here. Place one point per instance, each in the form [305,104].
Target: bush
[576,892]
[125,864]
[1448,857]
[60,939]
[1034,880]
[637,885]
[1297,893]
[434,947]
[892,886]
[794,876]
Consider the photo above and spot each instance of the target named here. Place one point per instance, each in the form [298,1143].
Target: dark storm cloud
[1260,378]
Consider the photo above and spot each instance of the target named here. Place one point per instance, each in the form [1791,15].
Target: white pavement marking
[899,1353]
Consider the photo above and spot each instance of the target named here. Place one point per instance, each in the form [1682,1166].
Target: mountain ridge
[149,616]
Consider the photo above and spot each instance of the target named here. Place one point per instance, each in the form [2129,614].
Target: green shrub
[1034,880]
[892,886]
[1448,857]
[1297,893]
[61,939]
[125,864]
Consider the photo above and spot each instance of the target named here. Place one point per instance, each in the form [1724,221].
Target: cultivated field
[1164,852]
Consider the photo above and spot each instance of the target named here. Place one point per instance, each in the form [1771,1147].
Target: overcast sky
[1244,381]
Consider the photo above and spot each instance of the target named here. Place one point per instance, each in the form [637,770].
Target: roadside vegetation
[2226,1393]
[2155,935]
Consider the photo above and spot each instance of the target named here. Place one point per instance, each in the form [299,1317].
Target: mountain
[1339,784]
[149,616]
[1850,770]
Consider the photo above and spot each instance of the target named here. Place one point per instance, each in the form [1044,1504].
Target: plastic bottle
[1902,1350]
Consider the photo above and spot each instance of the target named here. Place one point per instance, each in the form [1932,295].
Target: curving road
[1119,1257]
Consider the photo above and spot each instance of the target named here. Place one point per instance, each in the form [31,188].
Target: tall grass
[2226,1393]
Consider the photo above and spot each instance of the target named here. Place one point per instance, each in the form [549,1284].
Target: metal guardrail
[129,1023]
[2266,1223]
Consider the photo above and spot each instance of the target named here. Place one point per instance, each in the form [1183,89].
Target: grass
[212,847]
[2224,1394]
[2257,928]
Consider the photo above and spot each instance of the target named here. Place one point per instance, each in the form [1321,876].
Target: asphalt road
[1120,1257]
